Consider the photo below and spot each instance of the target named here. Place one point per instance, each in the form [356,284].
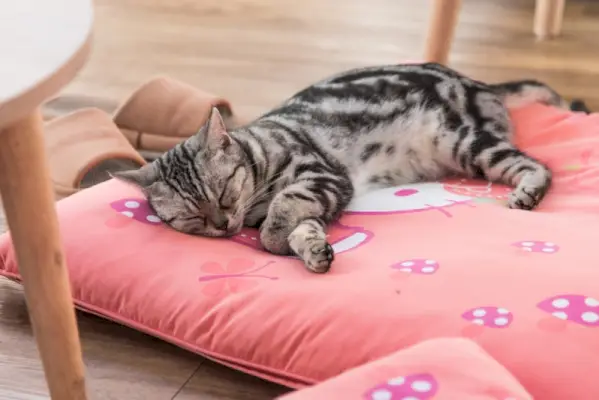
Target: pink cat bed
[413,263]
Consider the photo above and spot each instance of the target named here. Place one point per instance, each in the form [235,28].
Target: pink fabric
[439,369]
[413,263]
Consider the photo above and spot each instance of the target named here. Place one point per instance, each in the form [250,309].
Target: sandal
[84,147]
[164,112]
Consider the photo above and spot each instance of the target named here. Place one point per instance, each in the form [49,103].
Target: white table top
[43,43]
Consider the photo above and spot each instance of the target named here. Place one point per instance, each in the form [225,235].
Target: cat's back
[376,84]
[353,102]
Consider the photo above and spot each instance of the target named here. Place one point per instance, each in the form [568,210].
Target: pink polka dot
[405,192]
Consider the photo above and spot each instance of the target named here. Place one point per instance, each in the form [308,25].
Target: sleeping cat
[293,170]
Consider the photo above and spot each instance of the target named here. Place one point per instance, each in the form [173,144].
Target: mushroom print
[482,318]
[480,191]
[132,209]
[410,387]
[536,246]
[569,308]
[343,238]
[421,266]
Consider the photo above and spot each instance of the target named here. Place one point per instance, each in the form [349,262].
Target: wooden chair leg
[444,19]
[549,15]
[28,199]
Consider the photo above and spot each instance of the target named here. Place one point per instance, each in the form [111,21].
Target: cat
[293,170]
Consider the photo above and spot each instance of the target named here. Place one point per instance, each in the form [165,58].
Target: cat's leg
[531,178]
[503,162]
[297,218]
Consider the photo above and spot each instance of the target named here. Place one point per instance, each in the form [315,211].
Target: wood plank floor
[257,52]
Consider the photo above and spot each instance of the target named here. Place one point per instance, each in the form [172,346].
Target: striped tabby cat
[293,170]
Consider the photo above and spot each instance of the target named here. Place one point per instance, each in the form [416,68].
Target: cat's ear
[216,136]
[143,177]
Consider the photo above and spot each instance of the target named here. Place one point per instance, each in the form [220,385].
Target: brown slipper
[164,112]
[84,147]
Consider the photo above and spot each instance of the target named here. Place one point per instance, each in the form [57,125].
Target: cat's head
[202,185]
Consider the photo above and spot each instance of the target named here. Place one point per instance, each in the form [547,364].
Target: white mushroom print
[409,387]
[582,310]
[536,246]
[134,209]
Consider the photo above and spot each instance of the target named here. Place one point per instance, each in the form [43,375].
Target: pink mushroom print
[486,317]
[536,246]
[132,209]
[421,266]
[575,308]
[410,387]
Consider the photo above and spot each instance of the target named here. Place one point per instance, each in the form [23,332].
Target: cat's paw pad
[526,197]
[318,256]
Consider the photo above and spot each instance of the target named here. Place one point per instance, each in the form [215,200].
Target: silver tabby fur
[293,170]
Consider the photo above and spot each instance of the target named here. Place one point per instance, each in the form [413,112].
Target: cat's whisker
[266,185]
[260,190]
[262,187]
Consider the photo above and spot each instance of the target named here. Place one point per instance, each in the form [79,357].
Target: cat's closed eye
[192,224]
[229,197]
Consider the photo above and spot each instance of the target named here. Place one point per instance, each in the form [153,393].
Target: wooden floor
[257,52]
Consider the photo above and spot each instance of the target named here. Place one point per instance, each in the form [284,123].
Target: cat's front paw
[309,242]
[526,197]
[522,200]
[318,256]
[530,190]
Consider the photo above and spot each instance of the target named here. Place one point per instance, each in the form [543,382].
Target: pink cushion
[414,263]
[439,369]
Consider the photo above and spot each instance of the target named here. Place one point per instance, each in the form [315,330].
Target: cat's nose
[222,224]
